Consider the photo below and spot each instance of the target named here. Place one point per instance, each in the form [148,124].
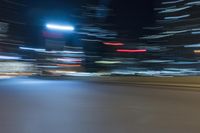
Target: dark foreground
[50,106]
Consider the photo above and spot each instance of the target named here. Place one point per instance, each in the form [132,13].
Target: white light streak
[60,27]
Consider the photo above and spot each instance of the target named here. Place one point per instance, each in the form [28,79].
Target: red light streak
[52,35]
[113,43]
[131,50]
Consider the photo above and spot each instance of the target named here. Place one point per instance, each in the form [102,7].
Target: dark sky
[132,15]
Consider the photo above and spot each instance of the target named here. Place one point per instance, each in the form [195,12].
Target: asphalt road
[64,106]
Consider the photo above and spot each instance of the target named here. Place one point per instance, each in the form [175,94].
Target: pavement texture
[69,106]
[186,82]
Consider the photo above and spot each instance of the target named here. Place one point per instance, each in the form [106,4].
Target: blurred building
[13,22]
[176,34]
[13,34]
[93,31]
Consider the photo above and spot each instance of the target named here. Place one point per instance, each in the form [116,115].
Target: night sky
[132,15]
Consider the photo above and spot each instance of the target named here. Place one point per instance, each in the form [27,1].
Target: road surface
[64,106]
